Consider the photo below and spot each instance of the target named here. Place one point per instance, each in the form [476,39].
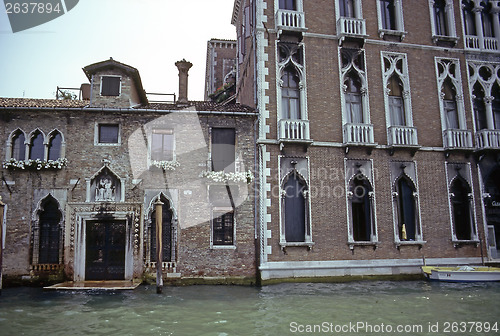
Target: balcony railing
[403,136]
[488,139]
[361,134]
[351,27]
[294,129]
[481,43]
[290,20]
[456,138]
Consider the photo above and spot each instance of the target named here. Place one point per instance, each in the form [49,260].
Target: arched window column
[16,146]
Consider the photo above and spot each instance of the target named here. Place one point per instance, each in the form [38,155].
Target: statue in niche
[105,190]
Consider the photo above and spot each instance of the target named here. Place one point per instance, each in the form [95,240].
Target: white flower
[165,165]
[221,176]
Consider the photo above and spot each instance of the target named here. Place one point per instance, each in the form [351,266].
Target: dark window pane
[18,146]
[288,4]
[479,107]
[440,17]
[110,86]
[55,147]
[223,229]
[290,94]
[361,209]
[461,210]
[108,133]
[388,14]
[407,211]
[223,149]
[346,8]
[295,210]
[36,147]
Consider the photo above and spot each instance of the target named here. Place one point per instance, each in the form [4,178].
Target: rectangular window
[110,86]
[346,8]
[451,114]
[288,4]
[108,133]
[223,149]
[223,229]
[162,145]
[396,107]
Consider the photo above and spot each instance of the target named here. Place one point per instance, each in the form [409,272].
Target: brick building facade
[80,179]
[379,133]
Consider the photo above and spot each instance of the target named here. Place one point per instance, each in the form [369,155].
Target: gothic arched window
[54,147]
[450,105]
[49,235]
[361,209]
[18,150]
[407,211]
[37,148]
[461,209]
[353,98]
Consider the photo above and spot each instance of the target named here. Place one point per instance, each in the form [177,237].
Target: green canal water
[356,308]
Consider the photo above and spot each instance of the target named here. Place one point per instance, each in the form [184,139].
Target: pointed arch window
[295,207]
[166,231]
[18,149]
[361,208]
[37,148]
[49,232]
[407,216]
[460,200]
[290,94]
[55,146]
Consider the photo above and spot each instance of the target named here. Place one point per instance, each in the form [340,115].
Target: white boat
[462,273]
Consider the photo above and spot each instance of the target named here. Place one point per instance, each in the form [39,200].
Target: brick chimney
[183,67]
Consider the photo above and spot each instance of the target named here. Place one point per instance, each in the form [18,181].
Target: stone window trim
[28,138]
[215,212]
[103,77]
[408,170]
[35,231]
[486,84]
[449,22]
[96,133]
[398,20]
[448,71]
[355,168]
[304,176]
[455,170]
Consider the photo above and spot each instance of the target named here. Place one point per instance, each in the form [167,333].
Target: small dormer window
[110,85]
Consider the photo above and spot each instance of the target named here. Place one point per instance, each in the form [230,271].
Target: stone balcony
[481,43]
[294,130]
[488,139]
[351,28]
[358,134]
[290,20]
[457,139]
[402,136]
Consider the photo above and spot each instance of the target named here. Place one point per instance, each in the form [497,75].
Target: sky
[149,35]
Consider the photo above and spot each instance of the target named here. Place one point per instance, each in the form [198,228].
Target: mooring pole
[2,207]
[159,246]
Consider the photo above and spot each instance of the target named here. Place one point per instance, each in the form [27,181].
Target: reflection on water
[281,309]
